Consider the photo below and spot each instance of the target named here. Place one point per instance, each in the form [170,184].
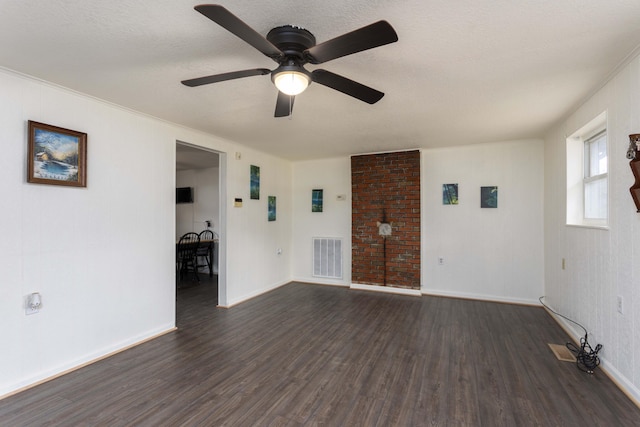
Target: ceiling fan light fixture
[291,81]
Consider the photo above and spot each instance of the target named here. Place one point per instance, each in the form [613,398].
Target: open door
[200,188]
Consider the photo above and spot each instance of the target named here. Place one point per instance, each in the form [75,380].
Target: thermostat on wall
[237,203]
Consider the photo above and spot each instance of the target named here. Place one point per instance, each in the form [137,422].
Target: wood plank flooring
[310,355]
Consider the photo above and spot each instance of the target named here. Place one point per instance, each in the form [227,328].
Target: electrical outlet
[441,261]
[30,310]
[619,304]
[33,303]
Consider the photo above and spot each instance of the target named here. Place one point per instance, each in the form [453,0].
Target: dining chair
[186,251]
[205,250]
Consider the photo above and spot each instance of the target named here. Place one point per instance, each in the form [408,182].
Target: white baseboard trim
[251,295]
[386,289]
[51,375]
[622,382]
[480,297]
[322,281]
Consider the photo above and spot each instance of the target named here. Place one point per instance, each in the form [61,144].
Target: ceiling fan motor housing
[291,40]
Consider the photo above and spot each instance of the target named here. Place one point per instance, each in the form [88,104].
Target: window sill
[592,226]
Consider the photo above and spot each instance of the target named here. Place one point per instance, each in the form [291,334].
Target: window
[595,177]
[587,175]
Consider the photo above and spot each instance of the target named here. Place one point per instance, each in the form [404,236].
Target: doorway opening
[201,183]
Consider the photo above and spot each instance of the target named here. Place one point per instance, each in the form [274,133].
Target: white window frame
[578,174]
[602,176]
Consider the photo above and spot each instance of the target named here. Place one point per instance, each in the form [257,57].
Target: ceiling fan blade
[284,105]
[373,35]
[199,81]
[347,86]
[233,24]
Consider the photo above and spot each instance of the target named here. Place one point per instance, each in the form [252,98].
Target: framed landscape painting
[56,156]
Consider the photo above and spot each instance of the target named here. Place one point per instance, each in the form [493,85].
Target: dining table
[208,243]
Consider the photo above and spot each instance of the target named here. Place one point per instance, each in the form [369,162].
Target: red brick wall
[386,185]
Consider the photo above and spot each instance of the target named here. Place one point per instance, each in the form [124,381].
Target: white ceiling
[463,71]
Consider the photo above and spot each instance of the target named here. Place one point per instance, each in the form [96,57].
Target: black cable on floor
[586,357]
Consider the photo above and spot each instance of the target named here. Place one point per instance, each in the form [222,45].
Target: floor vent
[327,257]
[562,352]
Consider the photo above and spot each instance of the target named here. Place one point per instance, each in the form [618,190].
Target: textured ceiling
[462,72]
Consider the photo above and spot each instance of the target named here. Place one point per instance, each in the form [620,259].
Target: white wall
[191,217]
[494,254]
[253,245]
[600,264]
[334,177]
[491,254]
[103,256]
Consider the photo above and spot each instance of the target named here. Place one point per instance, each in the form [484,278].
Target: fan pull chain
[290,107]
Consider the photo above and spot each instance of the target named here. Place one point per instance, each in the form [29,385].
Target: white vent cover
[327,257]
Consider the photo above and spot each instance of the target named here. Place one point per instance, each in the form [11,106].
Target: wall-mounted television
[184,195]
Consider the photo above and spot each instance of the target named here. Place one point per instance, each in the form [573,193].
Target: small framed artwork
[254,182]
[56,156]
[271,215]
[316,200]
[449,194]
[489,197]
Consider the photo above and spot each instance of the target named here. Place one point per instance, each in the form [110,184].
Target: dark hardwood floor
[310,355]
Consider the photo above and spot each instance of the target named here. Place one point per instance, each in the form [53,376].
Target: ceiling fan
[292,47]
